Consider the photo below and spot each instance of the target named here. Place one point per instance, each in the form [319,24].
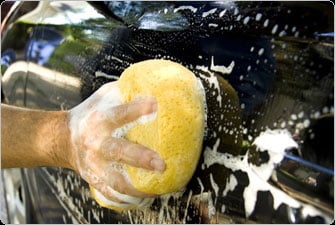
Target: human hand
[99,156]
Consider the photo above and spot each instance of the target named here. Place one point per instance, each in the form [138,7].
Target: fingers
[124,202]
[123,151]
[120,184]
[110,180]
[102,173]
[107,202]
[126,113]
[111,196]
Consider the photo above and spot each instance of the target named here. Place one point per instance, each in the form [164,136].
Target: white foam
[193,9]
[212,80]
[261,51]
[201,186]
[215,186]
[275,142]
[222,13]
[222,69]
[65,200]
[258,16]
[212,11]
[122,131]
[213,25]
[201,90]
[246,20]
[274,29]
[125,198]
[187,205]
[101,197]
[108,76]
[211,207]
[230,184]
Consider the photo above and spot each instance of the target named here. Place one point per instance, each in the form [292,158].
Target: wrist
[33,138]
[62,149]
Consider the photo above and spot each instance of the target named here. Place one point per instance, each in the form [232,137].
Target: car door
[275,65]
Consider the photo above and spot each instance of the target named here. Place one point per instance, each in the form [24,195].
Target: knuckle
[113,150]
[121,113]
[117,155]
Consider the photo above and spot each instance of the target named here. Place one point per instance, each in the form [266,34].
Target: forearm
[31,138]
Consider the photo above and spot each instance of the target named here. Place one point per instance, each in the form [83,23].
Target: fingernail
[154,106]
[153,102]
[157,164]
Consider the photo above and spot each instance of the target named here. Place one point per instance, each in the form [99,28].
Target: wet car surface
[268,73]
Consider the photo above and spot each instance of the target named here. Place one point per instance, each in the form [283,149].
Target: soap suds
[222,69]
[275,142]
[122,131]
[215,186]
[193,9]
[105,75]
[212,11]
[230,184]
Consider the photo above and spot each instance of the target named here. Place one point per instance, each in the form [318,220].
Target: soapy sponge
[176,132]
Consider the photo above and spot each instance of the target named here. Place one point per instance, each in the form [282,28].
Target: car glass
[268,72]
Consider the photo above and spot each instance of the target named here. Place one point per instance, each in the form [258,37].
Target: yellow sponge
[177,131]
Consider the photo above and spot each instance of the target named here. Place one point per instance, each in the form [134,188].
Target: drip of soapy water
[212,80]
[105,75]
[222,69]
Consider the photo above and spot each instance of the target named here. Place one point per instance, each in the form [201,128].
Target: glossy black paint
[282,67]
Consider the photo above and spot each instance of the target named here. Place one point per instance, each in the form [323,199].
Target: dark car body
[273,69]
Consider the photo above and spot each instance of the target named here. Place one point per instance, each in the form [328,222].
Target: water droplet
[312,136]
[222,13]
[306,123]
[282,33]
[236,11]
[205,14]
[274,29]
[246,20]
[293,117]
[325,109]
[238,18]
[301,114]
[213,25]
[283,124]
[258,16]
[261,51]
